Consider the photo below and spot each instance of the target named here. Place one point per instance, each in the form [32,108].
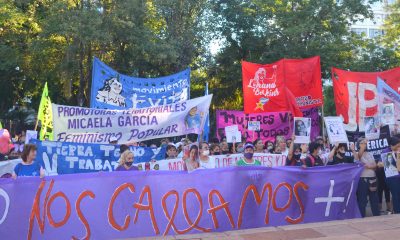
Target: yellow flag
[45,116]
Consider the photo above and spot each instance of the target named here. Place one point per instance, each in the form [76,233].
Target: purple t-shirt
[122,168]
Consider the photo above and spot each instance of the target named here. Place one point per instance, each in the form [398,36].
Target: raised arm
[332,152]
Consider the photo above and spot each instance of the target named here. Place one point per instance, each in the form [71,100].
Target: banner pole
[36,124]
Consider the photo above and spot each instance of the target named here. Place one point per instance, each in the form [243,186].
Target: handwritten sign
[271,124]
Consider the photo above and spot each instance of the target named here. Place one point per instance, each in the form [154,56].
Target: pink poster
[272,124]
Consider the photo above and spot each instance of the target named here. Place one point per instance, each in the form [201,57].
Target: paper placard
[335,130]
[232,134]
[302,130]
[30,134]
[371,127]
[254,126]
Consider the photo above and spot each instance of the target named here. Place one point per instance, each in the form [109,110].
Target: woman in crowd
[248,159]
[204,158]
[280,142]
[297,153]
[394,182]
[338,154]
[313,159]
[28,167]
[192,161]
[368,184]
[259,146]
[126,161]
[269,145]
[215,149]
[224,147]
[171,152]
[237,147]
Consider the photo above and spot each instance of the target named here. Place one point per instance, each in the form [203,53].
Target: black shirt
[312,161]
[337,160]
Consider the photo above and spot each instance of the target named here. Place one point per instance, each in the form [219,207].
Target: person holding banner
[215,149]
[171,152]
[368,184]
[280,145]
[313,159]
[394,182]
[205,162]
[259,146]
[248,157]
[269,145]
[297,153]
[224,148]
[126,161]
[28,167]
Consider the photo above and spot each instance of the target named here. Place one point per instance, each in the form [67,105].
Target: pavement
[385,227]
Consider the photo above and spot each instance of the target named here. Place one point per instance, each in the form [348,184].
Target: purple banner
[272,124]
[108,205]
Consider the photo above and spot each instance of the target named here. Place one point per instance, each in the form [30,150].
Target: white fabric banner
[89,125]
[221,161]
[8,166]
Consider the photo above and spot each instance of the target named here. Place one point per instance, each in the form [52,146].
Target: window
[360,31]
[373,33]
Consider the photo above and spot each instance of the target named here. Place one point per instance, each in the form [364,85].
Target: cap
[113,139]
[248,145]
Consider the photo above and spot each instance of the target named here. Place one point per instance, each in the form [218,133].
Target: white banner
[8,166]
[221,161]
[89,125]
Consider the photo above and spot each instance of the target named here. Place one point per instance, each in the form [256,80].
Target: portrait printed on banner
[193,118]
[387,114]
[191,158]
[371,127]
[389,163]
[110,93]
[302,129]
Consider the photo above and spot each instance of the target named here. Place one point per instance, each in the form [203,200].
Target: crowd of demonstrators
[371,186]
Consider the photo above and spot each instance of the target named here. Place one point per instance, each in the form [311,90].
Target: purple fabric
[294,191]
[272,124]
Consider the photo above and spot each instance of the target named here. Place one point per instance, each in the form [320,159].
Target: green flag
[45,116]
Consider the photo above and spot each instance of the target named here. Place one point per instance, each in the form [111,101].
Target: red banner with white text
[280,86]
[356,94]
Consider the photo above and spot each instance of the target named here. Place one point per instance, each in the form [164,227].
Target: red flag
[292,105]
[356,93]
[303,79]
[263,87]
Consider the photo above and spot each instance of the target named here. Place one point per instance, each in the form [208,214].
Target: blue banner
[68,157]
[112,90]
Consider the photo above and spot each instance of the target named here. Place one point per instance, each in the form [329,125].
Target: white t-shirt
[207,164]
[368,158]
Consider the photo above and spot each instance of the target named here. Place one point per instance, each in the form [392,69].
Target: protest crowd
[177,138]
